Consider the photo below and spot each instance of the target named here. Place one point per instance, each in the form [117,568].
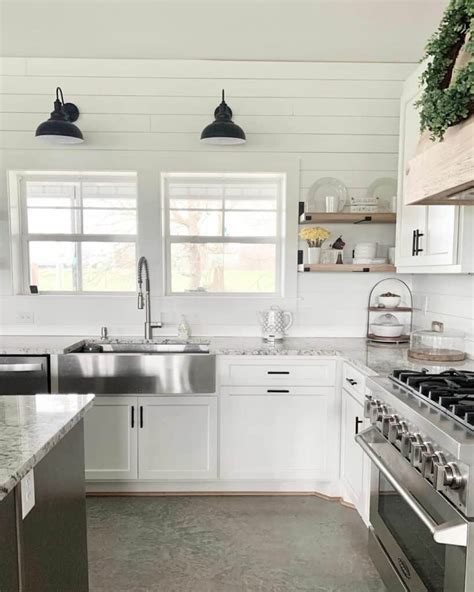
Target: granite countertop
[371,358]
[30,426]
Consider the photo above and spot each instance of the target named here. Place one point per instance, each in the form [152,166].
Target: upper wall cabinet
[430,239]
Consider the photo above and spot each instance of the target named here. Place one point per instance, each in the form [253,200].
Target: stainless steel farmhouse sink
[119,368]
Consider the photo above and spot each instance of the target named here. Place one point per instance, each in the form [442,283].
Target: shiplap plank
[292,143]
[283,124]
[354,178]
[77,86]
[367,107]
[353,107]
[343,161]
[195,123]
[12,67]
[87,123]
[216,69]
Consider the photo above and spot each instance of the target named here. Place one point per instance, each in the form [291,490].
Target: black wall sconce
[223,130]
[60,128]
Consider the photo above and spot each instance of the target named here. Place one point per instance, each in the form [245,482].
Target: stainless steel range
[421,445]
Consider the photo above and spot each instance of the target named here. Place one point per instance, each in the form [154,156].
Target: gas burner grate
[451,391]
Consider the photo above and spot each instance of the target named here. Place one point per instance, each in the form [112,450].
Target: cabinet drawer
[275,391]
[353,380]
[242,371]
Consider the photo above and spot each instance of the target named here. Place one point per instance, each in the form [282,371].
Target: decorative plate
[385,189]
[322,188]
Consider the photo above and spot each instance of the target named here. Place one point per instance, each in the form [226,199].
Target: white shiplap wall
[335,119]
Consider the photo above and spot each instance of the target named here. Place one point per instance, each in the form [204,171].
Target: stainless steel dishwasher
[24,375]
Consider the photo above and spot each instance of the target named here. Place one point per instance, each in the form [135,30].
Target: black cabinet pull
[351,381]
[141,416]
[357,423]
[417,248]
[278,372]
[413,243]
[132,413]
[278,391]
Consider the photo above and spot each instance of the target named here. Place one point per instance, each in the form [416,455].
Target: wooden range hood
[442,173]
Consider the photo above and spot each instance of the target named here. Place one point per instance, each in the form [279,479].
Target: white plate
[385,189]
[323,187]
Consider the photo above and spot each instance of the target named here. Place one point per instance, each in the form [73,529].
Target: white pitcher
[274,323]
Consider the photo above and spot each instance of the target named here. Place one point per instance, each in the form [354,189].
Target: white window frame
[25,237]
[217,178]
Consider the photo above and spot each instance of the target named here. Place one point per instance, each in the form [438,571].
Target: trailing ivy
[444,102]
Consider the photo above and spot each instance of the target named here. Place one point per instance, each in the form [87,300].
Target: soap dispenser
[184,331]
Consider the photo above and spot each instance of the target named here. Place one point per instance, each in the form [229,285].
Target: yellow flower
[314,236]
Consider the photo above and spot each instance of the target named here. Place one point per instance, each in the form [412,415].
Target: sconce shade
[223,130]
[59,128]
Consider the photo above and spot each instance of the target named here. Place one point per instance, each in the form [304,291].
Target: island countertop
[30,426]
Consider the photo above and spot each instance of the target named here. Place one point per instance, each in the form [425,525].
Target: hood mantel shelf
[442,173]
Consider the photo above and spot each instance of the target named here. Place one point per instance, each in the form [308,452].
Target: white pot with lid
[275,322]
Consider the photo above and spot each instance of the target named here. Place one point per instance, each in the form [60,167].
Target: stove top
[451,391]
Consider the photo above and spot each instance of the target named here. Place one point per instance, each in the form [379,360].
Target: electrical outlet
[27,493]
[25,318]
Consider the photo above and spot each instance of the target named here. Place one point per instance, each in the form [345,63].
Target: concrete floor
[227,544]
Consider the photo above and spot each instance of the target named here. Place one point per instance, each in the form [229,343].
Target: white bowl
[389,301]
[387,330]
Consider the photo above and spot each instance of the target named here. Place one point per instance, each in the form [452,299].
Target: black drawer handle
[357,423]
[133,416]
[141,416]
[278,372]
[351,381]
[278,391]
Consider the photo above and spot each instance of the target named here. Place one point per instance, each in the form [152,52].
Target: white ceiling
[309,30]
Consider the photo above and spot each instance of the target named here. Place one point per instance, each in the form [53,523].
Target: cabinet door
[177,438]
[354,469]
[111,439]
[278,436]
[437,226]
[409,218]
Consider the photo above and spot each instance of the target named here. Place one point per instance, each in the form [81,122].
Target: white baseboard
[329,489]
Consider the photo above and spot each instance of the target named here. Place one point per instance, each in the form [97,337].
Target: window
[223,233]
[79,232]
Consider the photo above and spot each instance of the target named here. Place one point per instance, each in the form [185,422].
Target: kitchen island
[43,544]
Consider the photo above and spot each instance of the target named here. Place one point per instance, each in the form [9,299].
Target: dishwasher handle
[38,367]
[449,533]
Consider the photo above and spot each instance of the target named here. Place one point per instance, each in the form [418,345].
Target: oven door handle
[19,367]
[453,532]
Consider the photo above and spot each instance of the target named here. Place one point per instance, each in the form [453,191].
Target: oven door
[423,536]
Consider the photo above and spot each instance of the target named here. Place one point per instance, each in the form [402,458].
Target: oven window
[425,555]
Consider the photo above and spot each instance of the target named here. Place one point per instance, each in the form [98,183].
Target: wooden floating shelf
[387,309]
[348,218]
[348,267]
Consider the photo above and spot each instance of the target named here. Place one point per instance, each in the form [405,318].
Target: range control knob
[408,439]
[446,475]
[368,405]
[387,420]
[427,463]
[377,412]
[416,450]
[396,430]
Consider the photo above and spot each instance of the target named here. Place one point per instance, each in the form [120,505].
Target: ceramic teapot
[274,323]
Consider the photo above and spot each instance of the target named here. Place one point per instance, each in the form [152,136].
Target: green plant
[448,100]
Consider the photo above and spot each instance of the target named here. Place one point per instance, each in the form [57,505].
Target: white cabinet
[278,432]
[353,464]
[110,434]
[430,239]
[177,438]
